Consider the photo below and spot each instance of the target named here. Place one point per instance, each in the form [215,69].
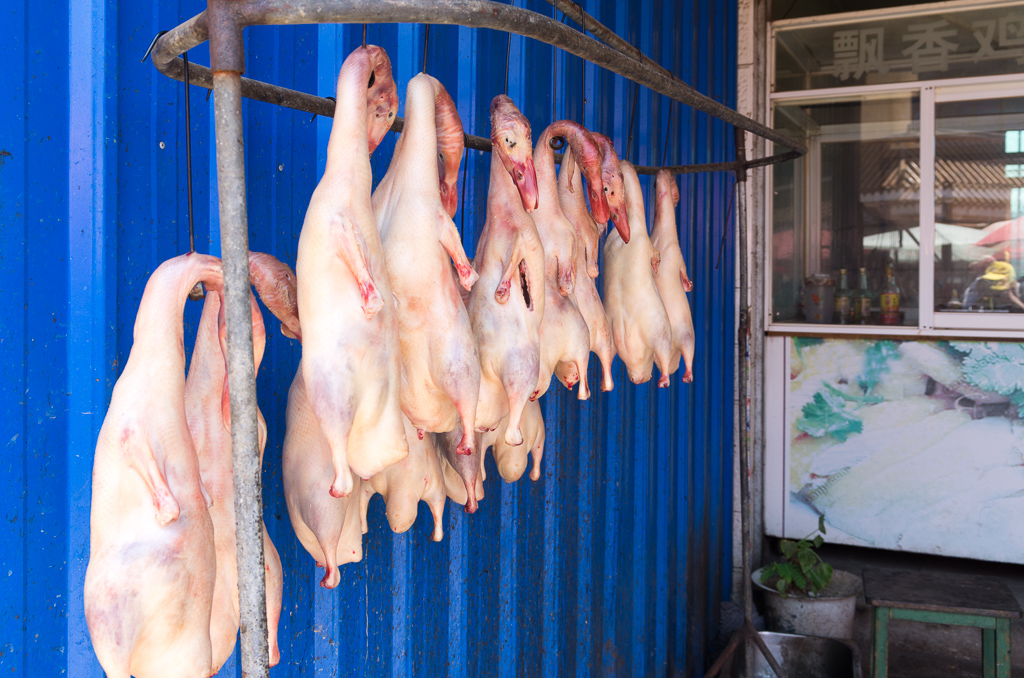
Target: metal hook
[508,52]
[554,77]
[632,119]
[332,99]
[364,36]
[557,143]
[668,133]
[465,166]
[151,46]
[426,41]
[197,292]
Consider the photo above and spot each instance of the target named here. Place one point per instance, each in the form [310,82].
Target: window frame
[931,323]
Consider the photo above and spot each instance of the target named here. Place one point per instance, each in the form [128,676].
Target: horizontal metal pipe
[470,13]
[202,76]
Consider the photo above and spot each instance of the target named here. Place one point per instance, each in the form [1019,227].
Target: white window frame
[931,323]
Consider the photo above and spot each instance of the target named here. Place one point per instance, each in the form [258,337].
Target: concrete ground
[928,650]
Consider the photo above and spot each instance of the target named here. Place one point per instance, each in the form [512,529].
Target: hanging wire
[465,167]
[554,75]
[426,41]
[632,119]
[583,72]
[668,133]
[197,292]
[728,211]
[508,52]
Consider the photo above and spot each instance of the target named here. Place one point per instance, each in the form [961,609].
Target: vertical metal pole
[227,91]
[742,343]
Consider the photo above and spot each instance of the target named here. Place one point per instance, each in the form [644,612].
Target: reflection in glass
[851,203]
[979,205]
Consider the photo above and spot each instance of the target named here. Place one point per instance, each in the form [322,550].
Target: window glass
[979,205]
[850,204]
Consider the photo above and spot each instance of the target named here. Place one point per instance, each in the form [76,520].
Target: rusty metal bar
[472,13]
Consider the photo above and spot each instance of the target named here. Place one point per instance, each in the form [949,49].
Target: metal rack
[222,24]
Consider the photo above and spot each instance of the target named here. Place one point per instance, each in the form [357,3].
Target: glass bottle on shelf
[954,302]
[843,299]
[889,298]
[862,300]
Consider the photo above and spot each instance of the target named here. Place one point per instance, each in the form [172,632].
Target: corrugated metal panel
[612,564]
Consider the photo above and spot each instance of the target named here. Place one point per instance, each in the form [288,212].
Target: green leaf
[818,541]
[876,363]
[781,586]
[800,581]
[826,570]
[788,548]
[826,415]
[821,524]
[807,560]
[995,366]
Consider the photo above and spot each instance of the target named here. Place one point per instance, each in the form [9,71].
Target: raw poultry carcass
[152,565]
[511,460]
[507,303]
[328,527]
[564,335]
[405,483]
[207,410]
[671,275]
[440,364]
[570,195]
[636,315]
[463,482]
[351,363]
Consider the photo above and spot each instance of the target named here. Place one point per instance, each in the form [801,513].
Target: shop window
[912,188]
[853,209]
[979,177]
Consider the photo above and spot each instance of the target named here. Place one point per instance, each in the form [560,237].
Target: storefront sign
[955,43]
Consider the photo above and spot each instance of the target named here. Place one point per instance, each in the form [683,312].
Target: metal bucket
[799,656]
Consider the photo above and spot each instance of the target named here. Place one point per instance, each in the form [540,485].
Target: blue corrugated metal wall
[612,564]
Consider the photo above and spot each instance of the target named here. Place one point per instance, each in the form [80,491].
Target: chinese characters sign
[954,44]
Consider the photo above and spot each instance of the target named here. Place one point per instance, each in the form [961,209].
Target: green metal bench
[982,602]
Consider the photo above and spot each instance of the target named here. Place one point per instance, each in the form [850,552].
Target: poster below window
[912,445]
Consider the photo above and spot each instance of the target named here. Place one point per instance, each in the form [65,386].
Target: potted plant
[804,594]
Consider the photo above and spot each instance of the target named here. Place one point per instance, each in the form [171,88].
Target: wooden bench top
[940,592]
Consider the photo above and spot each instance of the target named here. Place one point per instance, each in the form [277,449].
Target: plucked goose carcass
[671,275]
[207,410]
[507,303]
[152,564]
[589,231]
[636,314]
[463,482]
[327,527]
[440,364]
[564,335]
[351,362]
[511,459]
[405,483]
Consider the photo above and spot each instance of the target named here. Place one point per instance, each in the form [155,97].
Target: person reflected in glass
[996,288]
